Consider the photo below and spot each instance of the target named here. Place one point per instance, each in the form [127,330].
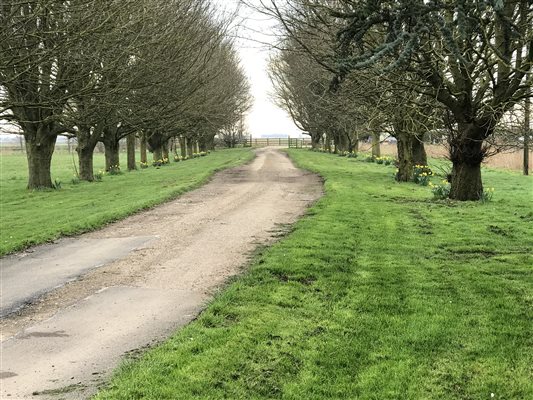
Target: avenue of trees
[105,70]
[459,70]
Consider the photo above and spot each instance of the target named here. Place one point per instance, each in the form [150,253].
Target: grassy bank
[31,217]
[380,293]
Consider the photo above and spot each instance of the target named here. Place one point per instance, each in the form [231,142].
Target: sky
[254,32]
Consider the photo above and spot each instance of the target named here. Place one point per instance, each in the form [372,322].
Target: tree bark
[343,143]
[376,146]
[130,144]
[355,144]
[111,149]
[144,157]
[527,132]
[190,147]
[203,144]
[164,151]
[466,154]
[156,144]
[39,150]
[85,157]
[411,152]
[315,140]
[157,153]
[183,146]
[87,141]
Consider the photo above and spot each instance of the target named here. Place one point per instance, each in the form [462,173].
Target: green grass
[31,217]
[379,293]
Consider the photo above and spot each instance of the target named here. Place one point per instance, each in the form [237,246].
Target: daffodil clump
[440,191]
[385,160]
[114,170]
[177,158]
[486,195]
[422,174]
[349,154]
[143,165]
[75,180]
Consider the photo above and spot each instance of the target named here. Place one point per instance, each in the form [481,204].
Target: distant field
[379,293]
[30,217]
[509,160]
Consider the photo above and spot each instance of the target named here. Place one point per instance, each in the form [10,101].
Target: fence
[277,142]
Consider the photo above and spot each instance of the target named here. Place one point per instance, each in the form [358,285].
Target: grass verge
[33,217]
[379,293]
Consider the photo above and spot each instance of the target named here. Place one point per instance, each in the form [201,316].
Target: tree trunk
[342,144]
[466,153]
[39,150]
[527,133]
[87,141]
[85,157]
[112,157]
[210,143]
[315,141]
[355,144]
[190,147]
[183,146]
[526,154]
[202,144]
[164,151]
[466,181]
[172,146]
[130,144]
[144,157]
[376,146]
[158,154]
[328,143]
[336,142]
[411,152]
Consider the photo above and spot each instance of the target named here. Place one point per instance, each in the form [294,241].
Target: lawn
[379,293]
[31,217]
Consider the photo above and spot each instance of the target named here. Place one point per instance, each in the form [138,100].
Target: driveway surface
[71,311]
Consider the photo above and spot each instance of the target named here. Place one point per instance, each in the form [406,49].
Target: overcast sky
[265,118]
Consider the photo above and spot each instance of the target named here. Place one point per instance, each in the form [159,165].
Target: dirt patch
[83,328]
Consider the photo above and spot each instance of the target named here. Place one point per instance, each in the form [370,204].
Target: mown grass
[32,217]
[379,293]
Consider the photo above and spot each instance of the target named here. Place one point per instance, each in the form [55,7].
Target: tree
[317,90]
[105,70]
[471,56]
[43,54]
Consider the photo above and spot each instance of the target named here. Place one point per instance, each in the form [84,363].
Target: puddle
[44,335]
